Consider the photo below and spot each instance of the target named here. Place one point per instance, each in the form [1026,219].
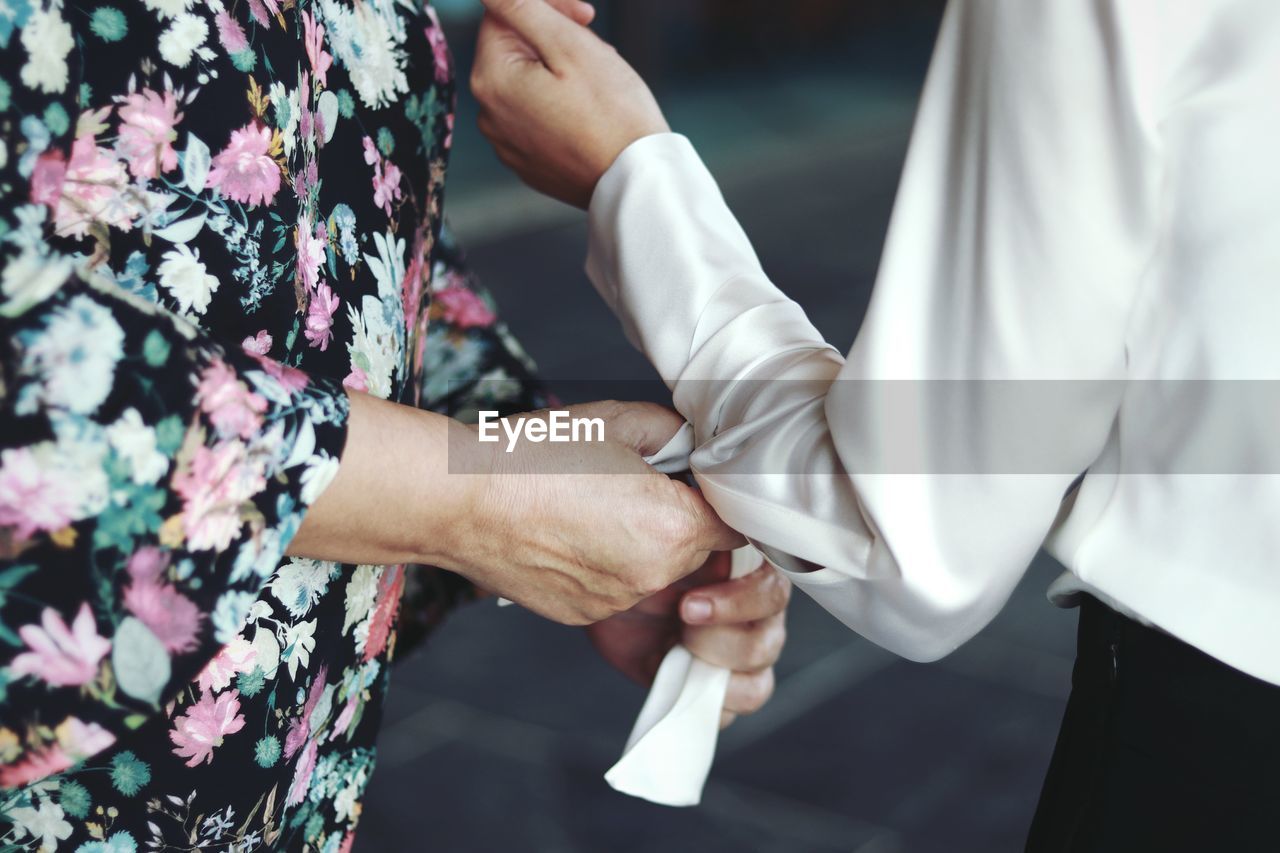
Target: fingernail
[697,609]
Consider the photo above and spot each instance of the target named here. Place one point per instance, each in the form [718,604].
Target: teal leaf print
[195,164]
[244,60]
[171,431]
[386,142]
[129,774]
[183,231]
[267,751]
[346,103]
[11,577]
[140,660]
[119,842]
[250,683]
[74,799]
[108,24]
[155,349]
[56,119]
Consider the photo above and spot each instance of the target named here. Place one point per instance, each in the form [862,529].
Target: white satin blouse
[1083,265]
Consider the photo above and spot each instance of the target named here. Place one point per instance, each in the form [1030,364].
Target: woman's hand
[575,532]
[738,624]
[579,532]
[558,104]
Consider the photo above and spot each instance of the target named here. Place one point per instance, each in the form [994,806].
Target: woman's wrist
[407,490]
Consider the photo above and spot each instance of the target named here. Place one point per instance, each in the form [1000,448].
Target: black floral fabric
[217,217]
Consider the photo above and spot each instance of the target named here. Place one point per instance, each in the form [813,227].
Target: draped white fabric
[1089,208]
[669,753]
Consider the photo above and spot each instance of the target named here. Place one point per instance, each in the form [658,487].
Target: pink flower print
[33,497]
[291,379]
[232,408]
[205,726]
[313,38]
[147,119]
[439,46]
[386,177]
[296,737]
[147,565]
[76,741]
[96,189]
[302,775]
[47,178]
[232,659]
[171,616]
[244,170]
[343,722]
[264,10]
[80,740]
[390,586]
[464,308]
[306,129]
[36,765]
[214,487]
[259,344]
[320,317]
[306,178]
[310,256]
[230,33]
[412,284]
[59,655]
[356,380]
[386,186]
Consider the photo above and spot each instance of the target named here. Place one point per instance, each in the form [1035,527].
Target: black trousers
[1162,749]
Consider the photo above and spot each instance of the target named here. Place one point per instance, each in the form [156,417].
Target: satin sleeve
[907,486]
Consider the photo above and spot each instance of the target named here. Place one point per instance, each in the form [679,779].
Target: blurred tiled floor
[498,733]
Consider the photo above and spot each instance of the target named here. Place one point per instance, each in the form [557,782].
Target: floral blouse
[214,215]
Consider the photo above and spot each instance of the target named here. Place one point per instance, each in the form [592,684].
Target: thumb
[582,13]
[643,427]
[554,36]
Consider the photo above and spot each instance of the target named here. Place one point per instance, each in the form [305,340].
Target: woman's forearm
[576,532]
[393,499]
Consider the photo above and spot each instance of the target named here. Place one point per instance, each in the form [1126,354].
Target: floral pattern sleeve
[216,218]
[155,479]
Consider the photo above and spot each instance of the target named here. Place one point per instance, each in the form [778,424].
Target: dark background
[498,733]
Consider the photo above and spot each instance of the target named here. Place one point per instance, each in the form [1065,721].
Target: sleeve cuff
[662,243]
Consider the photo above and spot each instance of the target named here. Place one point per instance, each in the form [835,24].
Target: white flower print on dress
[230,613]
[75,358]
[179,43]
[168,8]
[47,39]
[362,594]
[366,46]
[47,824]
[30,278]
[299,643]
[135,442]
[299,585]
[321,469]
[184,275]
[373,347]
